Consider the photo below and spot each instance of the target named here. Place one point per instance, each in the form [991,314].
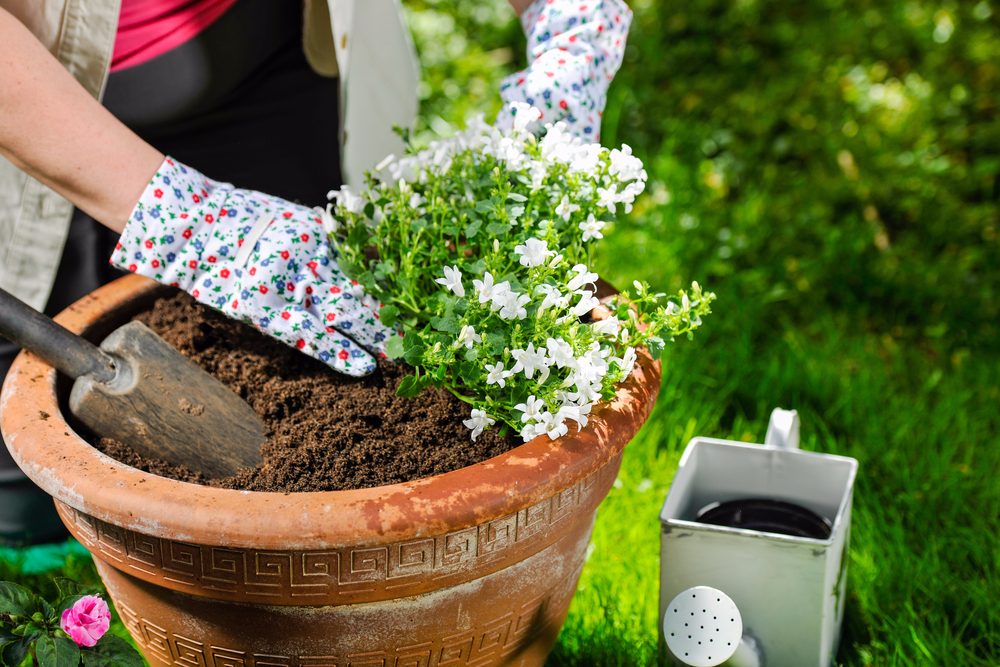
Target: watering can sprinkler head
[703,628]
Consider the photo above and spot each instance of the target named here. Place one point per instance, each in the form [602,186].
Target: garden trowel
[140,391]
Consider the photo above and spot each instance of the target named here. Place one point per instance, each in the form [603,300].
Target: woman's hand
[256,258]
[574,49]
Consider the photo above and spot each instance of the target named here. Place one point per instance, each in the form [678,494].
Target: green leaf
[472,228]
[70,587]
[56,652]
[447,323]
[388,315]
[12,654]
[394,347]
[517,196]
[384,268]
[413,348]
[408,386]
[112,651]
[655,346]
[484,207]
[497,228]
[16,600]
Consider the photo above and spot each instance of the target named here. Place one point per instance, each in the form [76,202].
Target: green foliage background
[829,169]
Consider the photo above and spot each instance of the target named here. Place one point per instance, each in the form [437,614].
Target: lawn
[829,169]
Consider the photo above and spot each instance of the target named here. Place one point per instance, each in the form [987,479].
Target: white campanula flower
[609,326]
[586,303]
[512,305]
[452,280]
[531,431]
[533,252]
[468,337]
[577,413]
[591,228]
[624,164]
[496,374]
[538,172]
[530,360]
[566,208]
[383,163]
[347,200]
[560,352]
[477,421]
[628,361]
[588,393]
[586,158]
[551,296]
[555,425]
[608,198]
[531,408]
[487,291]
[557,143]
[524,115]
[628,195]
[581,276]
[591,367]
[330,224]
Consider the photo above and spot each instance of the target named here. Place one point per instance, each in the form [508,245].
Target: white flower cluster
[510,321]
[578,377]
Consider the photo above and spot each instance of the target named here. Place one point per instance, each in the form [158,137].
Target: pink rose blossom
[87,620]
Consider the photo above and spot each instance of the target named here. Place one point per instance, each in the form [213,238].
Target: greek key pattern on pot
[491,642]
[337,575]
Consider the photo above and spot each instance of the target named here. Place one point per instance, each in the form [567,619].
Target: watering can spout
[703,628]
[783,429]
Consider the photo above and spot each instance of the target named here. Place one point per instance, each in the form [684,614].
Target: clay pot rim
[68,468]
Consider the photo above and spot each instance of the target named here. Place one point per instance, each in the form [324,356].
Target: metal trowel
[140,391]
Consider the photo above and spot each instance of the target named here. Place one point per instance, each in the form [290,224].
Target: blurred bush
[837,154]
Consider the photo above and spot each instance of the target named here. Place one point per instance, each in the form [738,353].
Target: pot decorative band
[509,617]
[344,575]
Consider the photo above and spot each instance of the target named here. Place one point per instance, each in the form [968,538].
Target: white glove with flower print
[575,47]
[256,258]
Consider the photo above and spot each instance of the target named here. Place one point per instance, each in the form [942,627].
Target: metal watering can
[753,551]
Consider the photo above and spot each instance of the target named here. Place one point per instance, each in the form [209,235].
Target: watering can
[753,552]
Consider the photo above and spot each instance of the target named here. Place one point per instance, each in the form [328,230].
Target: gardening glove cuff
[256,258]
[574,50]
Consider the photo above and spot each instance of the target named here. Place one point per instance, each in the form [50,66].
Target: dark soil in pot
[326,431]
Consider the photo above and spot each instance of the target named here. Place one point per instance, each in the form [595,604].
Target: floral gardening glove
[574,49]
[256,258]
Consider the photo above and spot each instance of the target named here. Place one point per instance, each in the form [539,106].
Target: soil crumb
[326,431]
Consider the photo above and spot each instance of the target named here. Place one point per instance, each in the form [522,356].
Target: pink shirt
[149,28]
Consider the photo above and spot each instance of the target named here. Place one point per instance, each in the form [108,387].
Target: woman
[245,92]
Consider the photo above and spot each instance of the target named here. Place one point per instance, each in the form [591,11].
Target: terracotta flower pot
[475,566]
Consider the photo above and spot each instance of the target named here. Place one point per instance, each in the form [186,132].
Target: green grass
[829,169]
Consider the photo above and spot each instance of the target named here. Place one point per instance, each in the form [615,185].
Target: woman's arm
[51,128]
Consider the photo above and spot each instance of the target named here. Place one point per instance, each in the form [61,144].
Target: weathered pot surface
[474,566]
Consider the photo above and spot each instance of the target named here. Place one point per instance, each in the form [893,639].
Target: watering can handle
[783,429]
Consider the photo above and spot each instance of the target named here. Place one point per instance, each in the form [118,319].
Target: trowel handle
[26,327]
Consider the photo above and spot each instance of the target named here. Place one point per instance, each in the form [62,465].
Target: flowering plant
[70,632]
[478,248]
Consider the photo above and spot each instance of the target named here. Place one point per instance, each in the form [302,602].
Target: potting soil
[326,431]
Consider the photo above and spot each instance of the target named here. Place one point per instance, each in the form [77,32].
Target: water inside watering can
[766,515]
